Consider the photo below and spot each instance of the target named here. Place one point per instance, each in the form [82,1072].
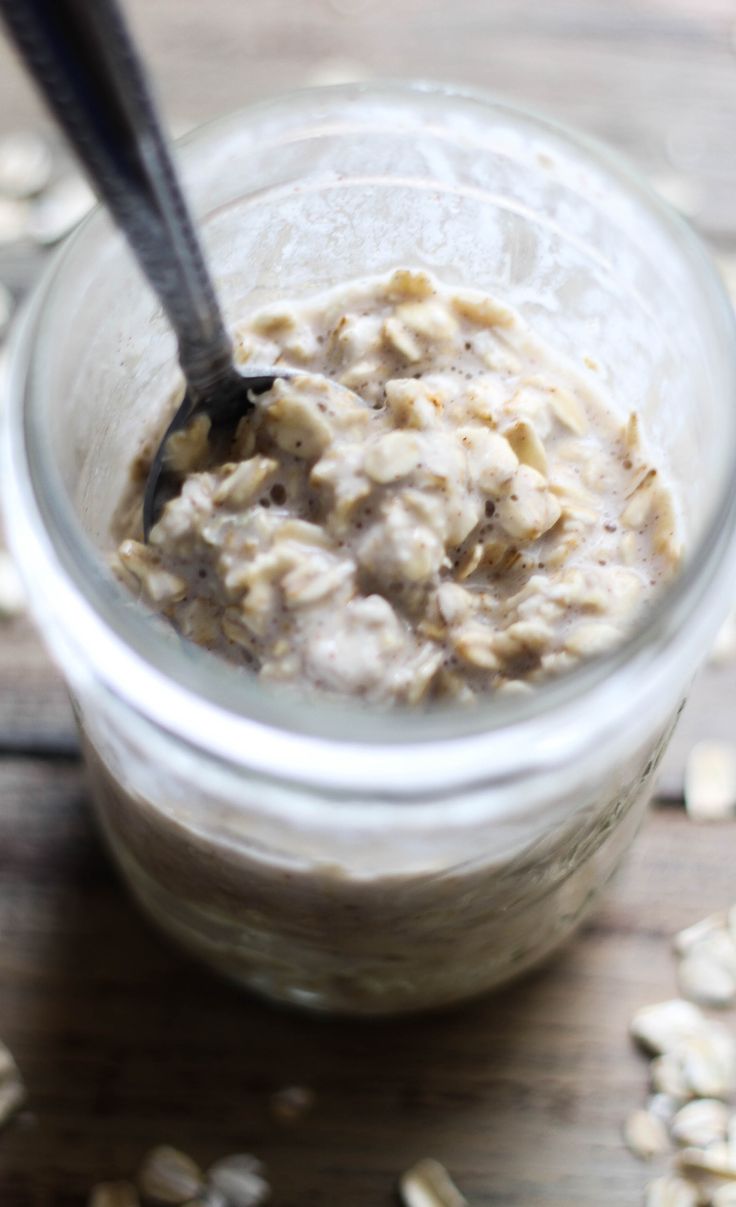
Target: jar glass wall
[336,857]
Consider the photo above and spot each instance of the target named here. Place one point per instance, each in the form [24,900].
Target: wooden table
[121,1041]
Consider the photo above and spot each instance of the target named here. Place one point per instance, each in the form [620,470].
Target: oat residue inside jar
[467,516]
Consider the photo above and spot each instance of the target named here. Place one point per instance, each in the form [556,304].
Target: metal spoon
[85,63]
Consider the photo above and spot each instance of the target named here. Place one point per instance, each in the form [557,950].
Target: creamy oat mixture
[466,516]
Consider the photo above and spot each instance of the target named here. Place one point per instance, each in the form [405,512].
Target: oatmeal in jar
[449,509]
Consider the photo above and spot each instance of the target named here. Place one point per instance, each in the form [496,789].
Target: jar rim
[210,705]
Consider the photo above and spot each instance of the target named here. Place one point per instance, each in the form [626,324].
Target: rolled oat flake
[59,210]
[169,1176]
[12,1090]
[12,1097]
[710,781]
[239,1178]
[701,1123]
[14,220]
[428,1184]
[704,980]
[645,1135]
[661,1027]
[25,165]
[291,1102]
[725,1196]
[12,594]
[671,1192]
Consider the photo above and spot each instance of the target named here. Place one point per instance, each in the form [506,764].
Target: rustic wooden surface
[122,1042]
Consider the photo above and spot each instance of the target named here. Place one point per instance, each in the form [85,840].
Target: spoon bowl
[224,408]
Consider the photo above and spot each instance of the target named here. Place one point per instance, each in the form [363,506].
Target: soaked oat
[470,518]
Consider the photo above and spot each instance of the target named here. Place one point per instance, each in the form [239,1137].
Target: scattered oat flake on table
[59,210]
[664,1025]
[291,1102]
[710,781]
[240,1179]
[12,1090]
[709,1061]
[705,980]
[12,594]
[12,1097]
[646,1135]
[692,936]
[114,1194]
[707,1168]
[169,1176]
[668,1076]
[25,165]
[15,217]
[719,945]
[725,1196]
[8,1067]
[664,1107]
[671,1192]
[428,1184]
[701,1123]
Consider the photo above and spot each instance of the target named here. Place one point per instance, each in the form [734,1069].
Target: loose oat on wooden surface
[646,1135]
[671,1192]
[710,781]
[169,1176]
[26,165]
[693,1071]
[471,517]
[428,1184]
[12,593]
[291,1102]
[239,1179]
[701,1123]
[12,1090]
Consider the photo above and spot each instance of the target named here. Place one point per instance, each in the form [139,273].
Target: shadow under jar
[330,856]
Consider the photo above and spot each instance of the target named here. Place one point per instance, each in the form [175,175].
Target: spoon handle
[83,59]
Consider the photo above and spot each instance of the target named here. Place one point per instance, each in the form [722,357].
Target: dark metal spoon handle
[84,62]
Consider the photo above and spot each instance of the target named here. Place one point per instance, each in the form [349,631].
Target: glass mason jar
[331,856]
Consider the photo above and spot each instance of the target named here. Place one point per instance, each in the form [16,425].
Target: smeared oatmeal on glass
[466,516]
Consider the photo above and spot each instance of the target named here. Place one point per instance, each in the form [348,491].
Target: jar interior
[313,190]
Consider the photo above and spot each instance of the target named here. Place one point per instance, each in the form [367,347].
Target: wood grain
[657,78]
[123,1044]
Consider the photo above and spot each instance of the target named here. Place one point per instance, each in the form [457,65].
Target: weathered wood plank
[123,1043]
[656,79]
[35,713]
